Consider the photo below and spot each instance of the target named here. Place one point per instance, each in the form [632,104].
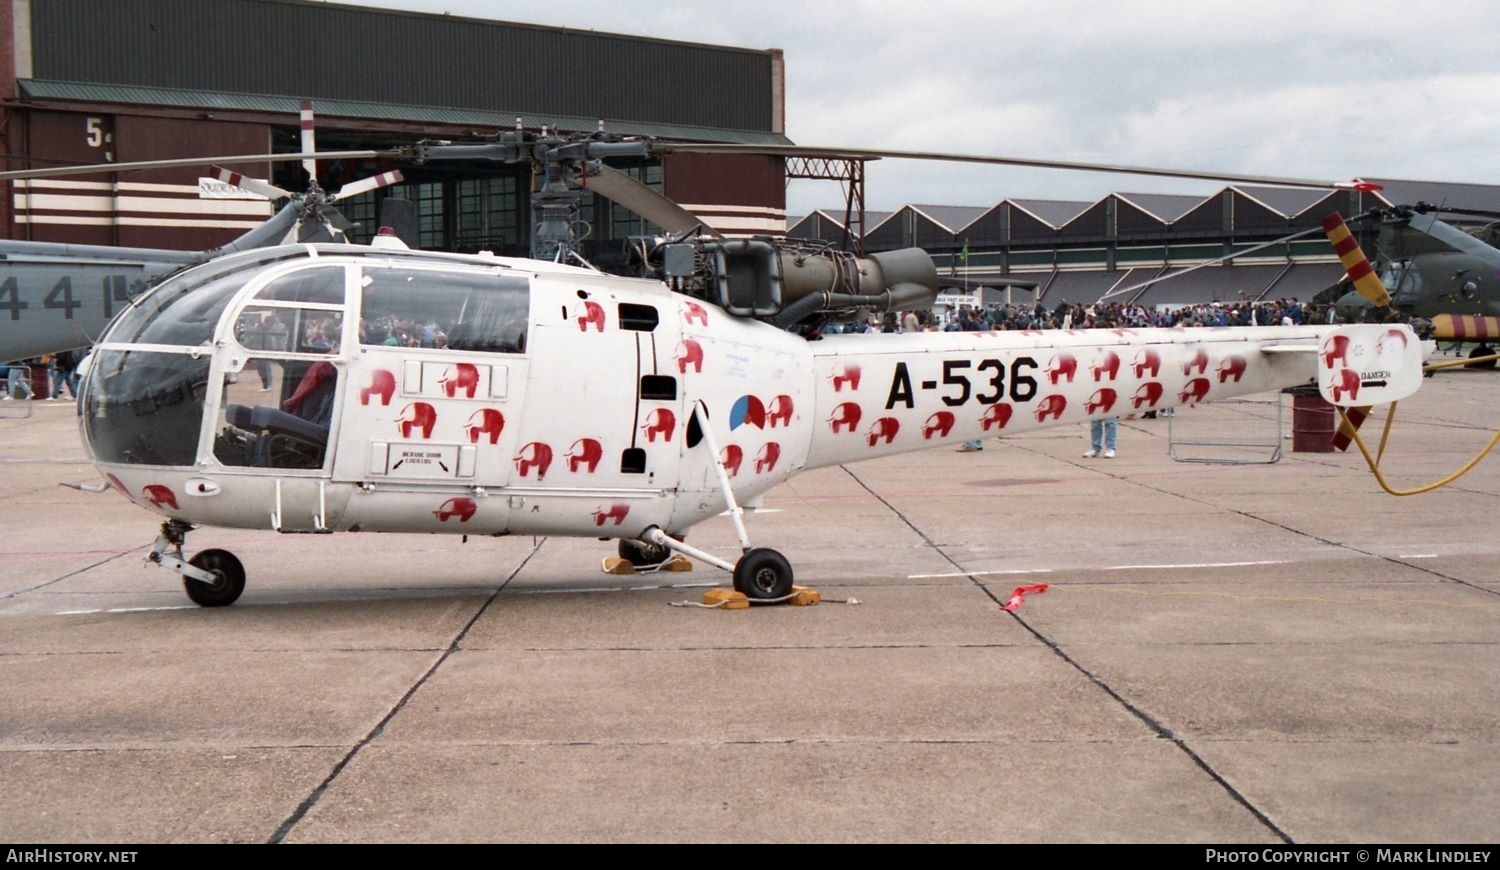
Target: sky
[1327,90]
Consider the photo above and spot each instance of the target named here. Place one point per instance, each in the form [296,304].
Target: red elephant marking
[585,451]
[1147,360]
[731,457]
[1198,361]
[779,411]
[1395,337]
[1231,367]
[940,424]
[767,458]
[885,427]
[382,384]
[660,422]
[846,414]
[485,421]
[689,353]
[1102,400]
[996,415]
[693,311]
[593,313]
[1052,406]
[160,496]
[463,508]
[535,454]
[1336,348]
[845,373]
[1195,390]
[1062,366]
[1149,393]
[616,512]
[417,415]
[1108,364]
[460,376]
[1347,381]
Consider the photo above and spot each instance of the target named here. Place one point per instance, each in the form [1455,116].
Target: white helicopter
[480,395]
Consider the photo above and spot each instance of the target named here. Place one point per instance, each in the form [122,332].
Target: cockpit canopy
[249,341]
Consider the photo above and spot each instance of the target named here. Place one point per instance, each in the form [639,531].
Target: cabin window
[641,318]
[454,310]
[276,414]
[322,285]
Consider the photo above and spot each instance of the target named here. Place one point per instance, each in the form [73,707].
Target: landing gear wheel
[763,574]
[226,589]
[1479,352]
[643,554]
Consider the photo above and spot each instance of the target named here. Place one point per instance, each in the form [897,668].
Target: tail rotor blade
[1354,261]
[365,185]
[254,185]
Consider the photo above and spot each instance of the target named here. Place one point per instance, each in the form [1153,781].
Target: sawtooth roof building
[1112,247]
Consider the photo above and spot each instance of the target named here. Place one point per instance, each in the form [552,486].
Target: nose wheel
[228,583]
[213,578]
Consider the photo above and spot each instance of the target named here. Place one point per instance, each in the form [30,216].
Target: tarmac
[1261,653]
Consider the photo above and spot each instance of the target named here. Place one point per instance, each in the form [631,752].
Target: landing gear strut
[213,578]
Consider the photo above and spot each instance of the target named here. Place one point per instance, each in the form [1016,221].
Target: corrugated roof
[952,217]
[1306,280]
[36,89]
[1053,212]
[1286,200]
[1085,287]
[1166,207]
[1441,193]
[1227,284]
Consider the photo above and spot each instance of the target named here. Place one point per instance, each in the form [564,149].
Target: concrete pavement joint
[317,793]
[75,573]
[1284,527]
[1149,721]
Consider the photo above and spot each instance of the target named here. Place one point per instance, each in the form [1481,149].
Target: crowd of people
[1111,315]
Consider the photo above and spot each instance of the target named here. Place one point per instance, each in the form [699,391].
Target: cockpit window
[185,309]
[470,311]
[322,285]
[145,408]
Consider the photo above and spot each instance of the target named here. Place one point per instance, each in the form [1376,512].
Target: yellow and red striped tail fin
[1355,262]
[1352,419]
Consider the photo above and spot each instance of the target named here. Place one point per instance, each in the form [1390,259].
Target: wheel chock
[616,565]
[726,599]
[803,596]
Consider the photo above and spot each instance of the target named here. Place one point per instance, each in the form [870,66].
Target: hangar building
[83,81]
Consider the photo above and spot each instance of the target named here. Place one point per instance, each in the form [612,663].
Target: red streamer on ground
[1021,592]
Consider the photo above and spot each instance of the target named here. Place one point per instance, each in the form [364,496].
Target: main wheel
[643,554]
[1479,352]
[763,574]
[229,579]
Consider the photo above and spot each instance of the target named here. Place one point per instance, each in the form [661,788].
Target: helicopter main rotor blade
[365,185]
[876,154]
[254,185]
[624,190]
[309,139]
[96,168]
[1455,238]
